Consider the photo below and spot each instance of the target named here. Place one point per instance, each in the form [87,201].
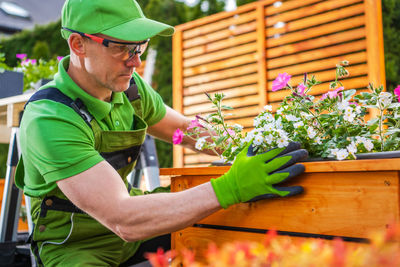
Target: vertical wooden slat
[375,50]
[262,70]
[177,89]
[374,36]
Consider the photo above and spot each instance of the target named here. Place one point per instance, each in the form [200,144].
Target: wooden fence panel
[240,53]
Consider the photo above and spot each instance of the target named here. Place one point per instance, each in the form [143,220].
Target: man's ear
[77,44]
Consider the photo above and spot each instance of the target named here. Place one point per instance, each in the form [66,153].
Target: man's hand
[254,177]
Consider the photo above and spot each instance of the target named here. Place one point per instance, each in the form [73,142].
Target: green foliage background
[46,42]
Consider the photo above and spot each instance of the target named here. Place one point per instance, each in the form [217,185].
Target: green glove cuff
[225,194]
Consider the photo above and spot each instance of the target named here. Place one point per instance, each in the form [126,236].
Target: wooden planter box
[347,199]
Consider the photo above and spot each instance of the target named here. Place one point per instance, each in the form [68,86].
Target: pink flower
[194,123]
[397,92]
[300,89]
[59,58]
[332,94]
[281,81]
[28,61]
[177,137]
[230,131]
[21,56]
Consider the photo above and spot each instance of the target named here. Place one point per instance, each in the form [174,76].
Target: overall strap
[134,97]
[56,95]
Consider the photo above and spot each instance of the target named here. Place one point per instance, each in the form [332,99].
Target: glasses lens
[127,52]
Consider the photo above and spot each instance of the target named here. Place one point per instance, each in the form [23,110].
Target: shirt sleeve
[152,104]
[56,141]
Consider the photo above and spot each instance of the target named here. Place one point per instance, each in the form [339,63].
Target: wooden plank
[177,89]
[319,65]
[220,45]
[308,11]
[334,27]
[375,50]
[198,239]
[262,75]
[222,34]
[235,19]
[334,166]
[223,64]
[15,99]
[235,102]
[222,54]
[287,6]
[218,16]
[323,41]
[335,203]
[316,54]
[220,75]
[230,93]
[199,158]
[222,84]
[313,21]
[5,133]
[13,114]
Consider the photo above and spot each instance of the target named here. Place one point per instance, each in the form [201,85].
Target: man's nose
[135,61]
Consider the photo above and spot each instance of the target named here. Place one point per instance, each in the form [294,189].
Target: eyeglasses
[120,50]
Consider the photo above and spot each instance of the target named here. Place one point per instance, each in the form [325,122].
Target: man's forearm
[156,214]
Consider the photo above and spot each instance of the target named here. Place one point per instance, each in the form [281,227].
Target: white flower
[342,105]
[279,111]
[269,139]
[292,118]
[278,123]
[282,133]
[224,159]
[358,109]
[258,139]
[368,144]
[268,117]
[269,127]
[282,142]
[318,140]
[306,115]
[268,107]
[385,98]
[352,148]
[311,132]
[298,124]
[200,143]
[349,115]
[234,148]
[257,121]
[342,154]
[238,127]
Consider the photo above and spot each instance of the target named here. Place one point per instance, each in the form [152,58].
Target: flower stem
[223,123]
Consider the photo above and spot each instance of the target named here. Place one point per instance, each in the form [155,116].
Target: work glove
[253,177]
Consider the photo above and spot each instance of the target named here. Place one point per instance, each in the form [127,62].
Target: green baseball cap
[121,19]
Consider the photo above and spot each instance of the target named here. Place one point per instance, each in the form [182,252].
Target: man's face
[110,68]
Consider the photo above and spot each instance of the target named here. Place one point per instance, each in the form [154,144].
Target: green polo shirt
[55,141]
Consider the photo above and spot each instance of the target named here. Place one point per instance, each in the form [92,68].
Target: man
[80,136]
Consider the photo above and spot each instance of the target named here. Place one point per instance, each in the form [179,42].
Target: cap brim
[139,29]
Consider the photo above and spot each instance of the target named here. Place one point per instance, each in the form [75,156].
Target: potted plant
[345,195]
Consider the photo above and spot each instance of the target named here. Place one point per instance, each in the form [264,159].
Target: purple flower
[281,81]
[193,124]
[397,92]
[177,137]
[59,58]
[300,89]
[21,56]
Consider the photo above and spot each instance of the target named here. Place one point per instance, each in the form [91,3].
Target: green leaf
[226,107]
